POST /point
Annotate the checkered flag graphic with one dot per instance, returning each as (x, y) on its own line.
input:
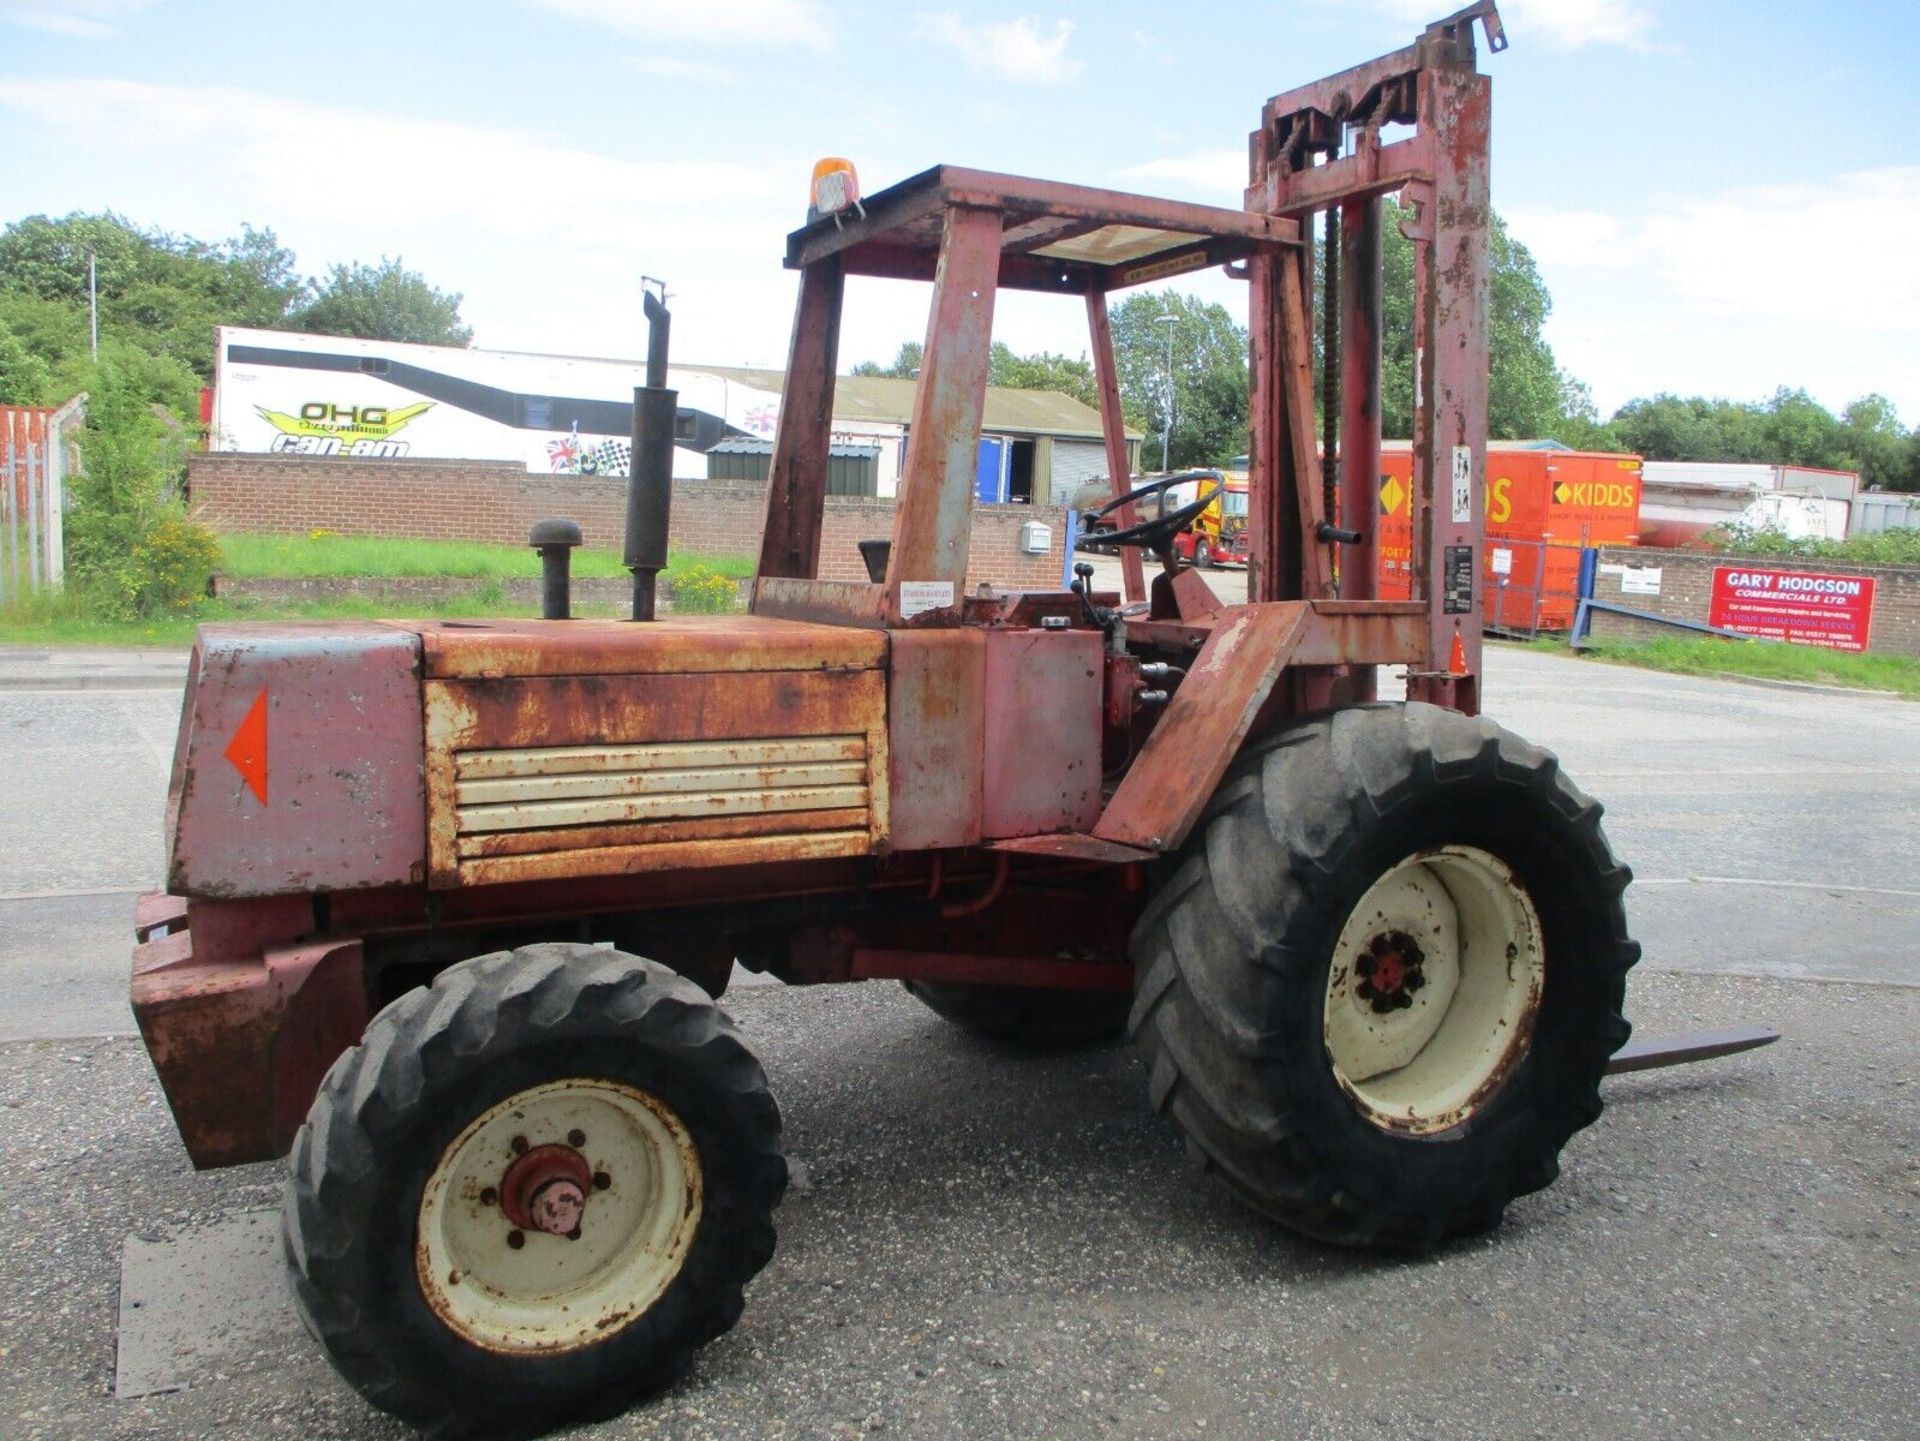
(609, 457)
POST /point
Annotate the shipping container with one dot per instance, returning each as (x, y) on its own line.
(1542, 507)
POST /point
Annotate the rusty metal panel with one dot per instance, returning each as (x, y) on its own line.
(831, 603)
(300, 763)
(1170, 783)
(1044, 693)
(648, 833)
(1070, 847)
(240, 1046)
(675, 645)
(1113, 428)
(933, 521)
(588, 759)
(936, 722)
(797, 477)
(1456, 107)
(1367, 633)
(757, 850)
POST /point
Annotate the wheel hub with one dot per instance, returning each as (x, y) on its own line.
(1390, 971)
(546, 1189)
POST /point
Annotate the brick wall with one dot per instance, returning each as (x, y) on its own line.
(1686, 593)
(498, 501)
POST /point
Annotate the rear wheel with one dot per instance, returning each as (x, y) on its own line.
(532, 1190)
(1040, 1017)
(1202, 553)
(1381, 984)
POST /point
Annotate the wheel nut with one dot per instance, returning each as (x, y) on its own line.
(519, 1144)
(576, 1139)
(601, 1180)
(516, 1239)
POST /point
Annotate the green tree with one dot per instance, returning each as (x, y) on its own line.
(904, 366)
(1209, 370)
(162, 292)
(383, 302)
(131, 550)
(1889, 457)
(1528, 395)
(1790, 428)
(24, 377)
(1044, 371)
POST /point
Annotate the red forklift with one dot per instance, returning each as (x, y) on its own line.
(449, 904)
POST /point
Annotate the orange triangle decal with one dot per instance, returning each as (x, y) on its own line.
(248, 748)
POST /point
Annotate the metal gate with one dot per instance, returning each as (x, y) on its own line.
(32, 474)
(1531, 586)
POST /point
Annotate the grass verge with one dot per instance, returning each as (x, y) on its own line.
(323, 553)
(1766, 660)
(50, 619)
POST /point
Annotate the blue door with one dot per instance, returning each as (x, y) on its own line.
(990, 473)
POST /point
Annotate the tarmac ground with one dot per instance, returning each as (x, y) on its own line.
(980, 1243)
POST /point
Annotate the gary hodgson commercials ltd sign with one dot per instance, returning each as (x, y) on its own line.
(1796, 605)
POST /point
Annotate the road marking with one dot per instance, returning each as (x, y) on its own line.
(159, 752)
(1773, 885)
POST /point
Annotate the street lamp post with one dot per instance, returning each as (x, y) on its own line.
(1166, 436)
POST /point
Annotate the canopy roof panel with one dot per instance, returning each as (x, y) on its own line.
(1066, 238)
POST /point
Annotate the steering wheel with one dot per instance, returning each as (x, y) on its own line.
(1156, 534)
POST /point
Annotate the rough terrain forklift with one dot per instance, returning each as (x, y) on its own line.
(449, 903)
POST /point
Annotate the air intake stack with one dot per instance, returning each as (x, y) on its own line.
(650, 483)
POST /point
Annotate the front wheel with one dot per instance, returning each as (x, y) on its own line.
(1380, 986)
(532, 1190)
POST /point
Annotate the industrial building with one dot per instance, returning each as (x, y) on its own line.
(285, 392)
(1683, 498)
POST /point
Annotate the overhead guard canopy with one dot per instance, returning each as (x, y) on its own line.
(1069, 239)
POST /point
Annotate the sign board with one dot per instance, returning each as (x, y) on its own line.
(1802, 606)
(1640, 580)
(1500, 560)
(920, 595)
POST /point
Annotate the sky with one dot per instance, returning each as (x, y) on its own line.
(1723, 198)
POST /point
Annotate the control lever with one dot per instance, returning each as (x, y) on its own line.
(1330, 533)
(1099, 615)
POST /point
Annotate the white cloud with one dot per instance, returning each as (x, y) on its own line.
(430, 172)
(665, 67)
(1562, 24)
(1202, 170)
(732, 22)
(1733, 293)
(1011, 49)
(86, 19)
(1835, 251)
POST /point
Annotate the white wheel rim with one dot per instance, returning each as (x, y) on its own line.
(552, 1292)
(1453, 942)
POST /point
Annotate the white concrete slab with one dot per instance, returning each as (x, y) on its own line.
(197, 1303)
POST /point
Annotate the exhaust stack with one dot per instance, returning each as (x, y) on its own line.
(650, 478)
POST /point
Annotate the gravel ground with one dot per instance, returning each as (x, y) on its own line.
(981, 1244)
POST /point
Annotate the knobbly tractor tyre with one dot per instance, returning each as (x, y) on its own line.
(1033, 1017)
(532, 1190)
(1381, 982)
